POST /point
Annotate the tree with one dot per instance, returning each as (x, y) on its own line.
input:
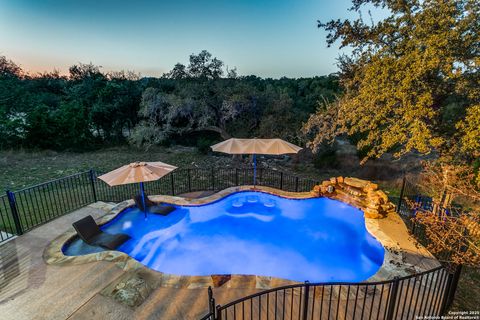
(451, 238)
(203, 66)
(404, 72)
(178, 72)
(8, 68)
(232, 73)
(115, 110)
(409, 82)
(82, 71)
(12, 129)
(10, 83)
(195, 106)
(278, 119)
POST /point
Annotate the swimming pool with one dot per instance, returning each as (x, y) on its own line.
(252, 233)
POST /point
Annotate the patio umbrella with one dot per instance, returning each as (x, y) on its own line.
(255, 146)
(137, 172)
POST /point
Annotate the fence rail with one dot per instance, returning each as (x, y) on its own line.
(425, 294)
(25, 209)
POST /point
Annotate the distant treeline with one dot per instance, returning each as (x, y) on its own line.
(193, 105)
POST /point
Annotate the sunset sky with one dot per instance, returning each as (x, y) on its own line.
(269, 38)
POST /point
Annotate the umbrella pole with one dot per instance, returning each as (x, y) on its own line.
(254, 170)
(142, 194)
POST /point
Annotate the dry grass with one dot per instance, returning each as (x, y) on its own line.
(19, 169)
(468, 292)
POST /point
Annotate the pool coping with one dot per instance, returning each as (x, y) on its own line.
(403, 254)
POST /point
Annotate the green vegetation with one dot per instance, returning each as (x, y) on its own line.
(90, 109)
(411, 82)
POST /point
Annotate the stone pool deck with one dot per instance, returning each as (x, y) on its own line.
(95, 288)
(32, 289)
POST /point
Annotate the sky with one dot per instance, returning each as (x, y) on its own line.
(268, 38)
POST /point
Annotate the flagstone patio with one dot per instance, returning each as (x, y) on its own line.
(32, 289)
(111, 285)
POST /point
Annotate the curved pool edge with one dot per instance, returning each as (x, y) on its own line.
(403, 255)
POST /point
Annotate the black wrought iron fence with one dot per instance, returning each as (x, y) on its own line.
(418, 296)
(191, 180)
(412, 199)
(413, 297)
(27, 208)
(7, 224)
(22, 210)
(429, 293)
(412, 202)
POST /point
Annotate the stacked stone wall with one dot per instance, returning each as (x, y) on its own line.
(360, 193)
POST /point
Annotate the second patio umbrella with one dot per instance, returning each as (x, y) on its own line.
(137, 172)
(255, 146)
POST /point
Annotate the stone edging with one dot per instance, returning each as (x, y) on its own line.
(394, 264)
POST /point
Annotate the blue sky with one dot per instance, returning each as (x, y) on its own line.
(269, 38)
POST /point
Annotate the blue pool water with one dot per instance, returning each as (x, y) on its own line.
(319, 239)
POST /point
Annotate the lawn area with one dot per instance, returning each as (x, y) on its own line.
(19, 169)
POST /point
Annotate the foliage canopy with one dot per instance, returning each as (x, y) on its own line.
(411, 82)
(90, 108)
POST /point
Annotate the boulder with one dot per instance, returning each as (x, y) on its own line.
(372, 214)
(355, 182)
(361, 193)
(383, 196)
(370, 187)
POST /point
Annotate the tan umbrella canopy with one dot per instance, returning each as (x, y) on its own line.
(137, 172)
(255, 146)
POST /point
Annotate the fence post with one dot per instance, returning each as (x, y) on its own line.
(14, 211)
(453, 286)
(172, 184)
(92, 183)
(296, 184)
(281, 180)
(189, 180)
(305, 300)
(236, 177)
(211, 302)
(393, 298)
(213, 179)
(401, 194)
(218, 315)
